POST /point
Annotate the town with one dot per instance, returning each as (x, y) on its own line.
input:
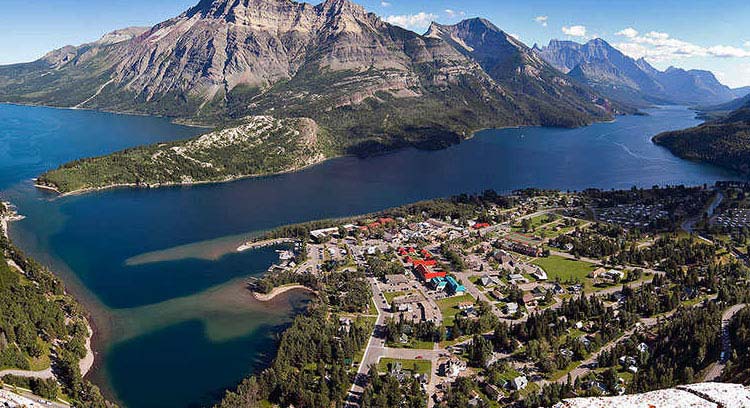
(526, 299)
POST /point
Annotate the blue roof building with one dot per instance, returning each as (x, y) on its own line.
(455, 287)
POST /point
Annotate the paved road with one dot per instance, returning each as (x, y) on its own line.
(28, 373)
(373, 349)
(714, 372)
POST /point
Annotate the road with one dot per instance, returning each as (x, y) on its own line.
(714, 372)
(372, 351)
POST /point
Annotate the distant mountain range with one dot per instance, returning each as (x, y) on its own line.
(375, 86)
(620, 77)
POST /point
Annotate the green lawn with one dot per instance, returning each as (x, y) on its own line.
(415, 366)
(564, 268)
(412, 344)
(449, 307)
(389, 296)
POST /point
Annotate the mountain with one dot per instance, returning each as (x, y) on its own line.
(741, 91)
(618, 76)
(375, 86)
(514, 65)
(724, 142)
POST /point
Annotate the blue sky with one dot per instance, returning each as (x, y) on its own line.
(703, 34)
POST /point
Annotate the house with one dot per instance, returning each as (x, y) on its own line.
(452, 368)
(558, 289)
(480, 225)
(485, 280)
(643, 347)
(511, 308)
(529, 299)
(597, 273)
(520, 382)
(454, 287)
(539, 273)
(465, 305)
(613, 275)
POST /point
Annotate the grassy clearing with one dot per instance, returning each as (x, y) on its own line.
(415, 366)
(389, 296)
(565, 269)
(413, 344)
(449, 307)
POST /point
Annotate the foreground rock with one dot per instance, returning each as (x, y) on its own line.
(702, 395)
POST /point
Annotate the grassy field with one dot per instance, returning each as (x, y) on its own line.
(449, 307)
(413, 344)
(389, 296)
(415, 366)
(564, 268)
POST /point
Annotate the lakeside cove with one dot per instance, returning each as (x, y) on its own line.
(169, 301)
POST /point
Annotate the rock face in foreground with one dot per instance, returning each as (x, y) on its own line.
(702, 395)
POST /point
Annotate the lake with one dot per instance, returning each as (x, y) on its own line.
(158, 268)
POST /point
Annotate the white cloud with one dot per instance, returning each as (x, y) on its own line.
(385, 4)
(575, 31)
(541, 20)
(747, 44)
(412, 21)
(660, 46)
(453, 13)
(629, 32)
(516, 36)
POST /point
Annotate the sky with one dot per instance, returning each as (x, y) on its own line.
(691, 34)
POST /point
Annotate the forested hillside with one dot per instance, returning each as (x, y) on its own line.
(725, 142)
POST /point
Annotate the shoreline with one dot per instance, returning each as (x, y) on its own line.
(248, 245)
(279, 290)
(464, 137)
(173, 120)
(88, 190)
(87, 362)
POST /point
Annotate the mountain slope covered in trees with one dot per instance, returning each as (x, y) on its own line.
(724, 142)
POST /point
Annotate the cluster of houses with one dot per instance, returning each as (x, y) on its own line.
(734, 219)
(632, 215)
(522, 244)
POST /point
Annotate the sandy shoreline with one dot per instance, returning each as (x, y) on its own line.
(264, 243)
(265, 297)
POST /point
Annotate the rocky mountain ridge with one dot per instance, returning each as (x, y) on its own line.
(374, 85)
(618, 76)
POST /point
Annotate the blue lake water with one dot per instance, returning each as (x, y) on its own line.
(149, 307)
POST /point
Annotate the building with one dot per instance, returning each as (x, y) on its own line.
(520, 382)
(426, 273)
(454, 287)
(539, 274)
(511, 308)
(438, 283)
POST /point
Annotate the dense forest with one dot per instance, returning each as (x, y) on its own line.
(738, 367)
(41, 325)
(725, 142)
(311, 368)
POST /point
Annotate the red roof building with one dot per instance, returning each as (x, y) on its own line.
(426, 273)
(480, 225)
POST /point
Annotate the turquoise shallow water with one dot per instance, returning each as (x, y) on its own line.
(156, 311)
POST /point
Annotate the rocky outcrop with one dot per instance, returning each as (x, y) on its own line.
(703, 395)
